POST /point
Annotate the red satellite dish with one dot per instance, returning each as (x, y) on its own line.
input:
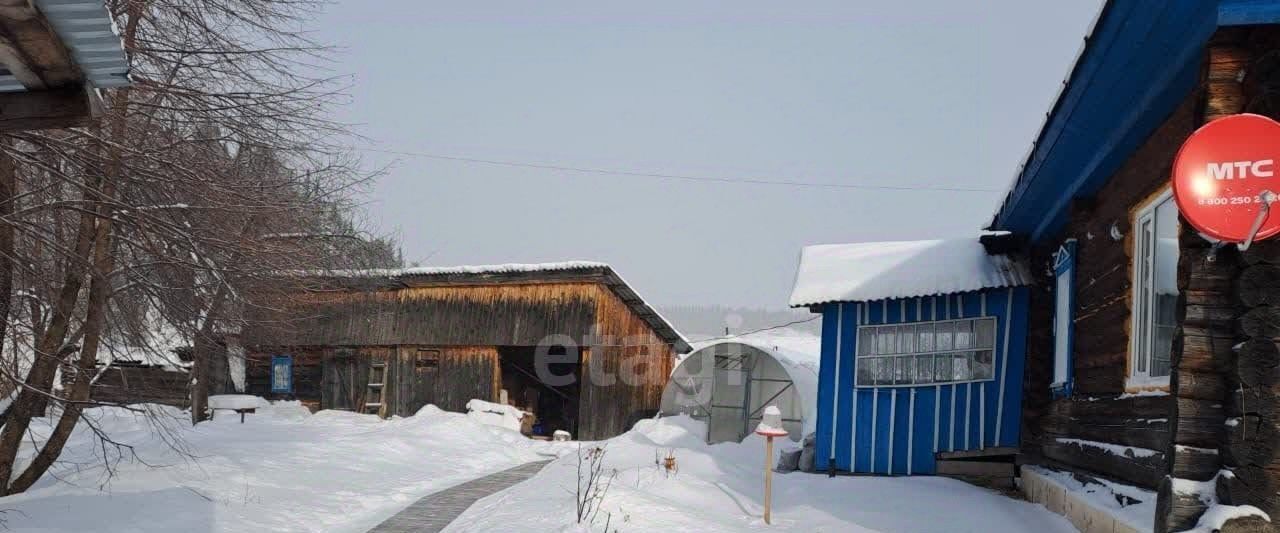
(1225, 177)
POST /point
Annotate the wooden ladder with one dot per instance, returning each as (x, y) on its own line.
(373, 394)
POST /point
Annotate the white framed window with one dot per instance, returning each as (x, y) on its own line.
(1155, 292)
(1064, 264)
(924, 353)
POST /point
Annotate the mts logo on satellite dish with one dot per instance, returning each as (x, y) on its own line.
(1238, 170)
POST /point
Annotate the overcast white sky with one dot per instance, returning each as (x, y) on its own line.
(923, 94)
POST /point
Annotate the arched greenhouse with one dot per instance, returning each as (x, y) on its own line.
(729, 383)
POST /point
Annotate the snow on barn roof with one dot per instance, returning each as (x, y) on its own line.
(878, 270)
(518, 271)
(506, 268)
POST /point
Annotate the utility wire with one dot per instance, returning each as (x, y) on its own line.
(677, 177)
(761, 330)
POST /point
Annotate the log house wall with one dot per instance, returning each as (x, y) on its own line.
(1225, 377)
(1100, 410)
(1244, 76)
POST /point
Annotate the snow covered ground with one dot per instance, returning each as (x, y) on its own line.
(285, 469)
(717, 488)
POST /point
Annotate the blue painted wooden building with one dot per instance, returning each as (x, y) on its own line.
(923, 348)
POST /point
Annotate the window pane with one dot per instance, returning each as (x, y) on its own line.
(1145, 236)
(924, 332)
(866, 371)
(866, 341)
(884, 372)
(924, 369)
(986, 333)
(960, 367)
(964, 334)
(906, 339)
(943, 364)
(884, 340)
(942, 336)
(982, 365)
(1165, 281)
(906, 370)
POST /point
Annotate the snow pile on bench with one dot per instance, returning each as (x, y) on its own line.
(495, 414)
(236, 401)
(869, 271)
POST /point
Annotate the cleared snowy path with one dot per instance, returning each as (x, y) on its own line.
(437, 510)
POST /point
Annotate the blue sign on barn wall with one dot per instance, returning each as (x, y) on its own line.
(282, 374)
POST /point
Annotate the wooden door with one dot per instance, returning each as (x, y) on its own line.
(426, 371)
(471, 375)
(338, 375)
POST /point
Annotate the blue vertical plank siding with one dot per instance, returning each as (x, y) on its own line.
(826, 387)
(844, 422)
(898, 430)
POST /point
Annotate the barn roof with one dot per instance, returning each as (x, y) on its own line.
(870, 271)
(567, 271)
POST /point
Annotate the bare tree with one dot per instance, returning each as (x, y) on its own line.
(218, 170)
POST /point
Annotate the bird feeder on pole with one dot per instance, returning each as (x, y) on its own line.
(770, 427)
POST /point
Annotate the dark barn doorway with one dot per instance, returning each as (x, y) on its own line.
(555, 406)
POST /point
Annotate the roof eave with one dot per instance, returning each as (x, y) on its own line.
(1048, 180)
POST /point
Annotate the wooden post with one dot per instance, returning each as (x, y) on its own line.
(770, 427)
(768, 477)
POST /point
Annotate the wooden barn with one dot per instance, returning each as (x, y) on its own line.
(391, 342)
(922, 354)
(1153, 361)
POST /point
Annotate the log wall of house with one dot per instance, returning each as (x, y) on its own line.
(626, 368)
(1057, 431)
(1224, 392)
(1244, 76)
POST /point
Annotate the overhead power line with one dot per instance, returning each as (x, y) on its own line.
(761, 330)
(679, 177)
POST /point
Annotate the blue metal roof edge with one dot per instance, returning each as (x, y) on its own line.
(1108, 107)
(1248, 12)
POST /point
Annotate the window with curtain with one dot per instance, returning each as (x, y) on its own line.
(925, 353)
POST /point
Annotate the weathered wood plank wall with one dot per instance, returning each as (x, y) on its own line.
(461, 327)
(308, 374)
(624, 370)
(490, 315)
(129, 384)
(446, 376)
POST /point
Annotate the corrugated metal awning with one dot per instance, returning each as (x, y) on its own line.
(90, 35)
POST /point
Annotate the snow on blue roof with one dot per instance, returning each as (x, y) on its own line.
(901, 269)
